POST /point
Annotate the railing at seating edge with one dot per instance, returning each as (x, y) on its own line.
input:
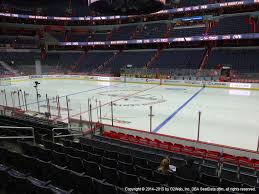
(19, 137)
(68, 135)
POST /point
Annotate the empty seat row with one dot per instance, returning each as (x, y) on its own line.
(77, 159)
(242, 162)
(97, 171)
(47, 174)
(240, 60)
(168, 146)
(246, 181)
(74, 157)
(225, 25)
(179, 159)
(209, 167)
(94, 153)
(13, 181)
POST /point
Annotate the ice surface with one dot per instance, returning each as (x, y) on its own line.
(228, 117)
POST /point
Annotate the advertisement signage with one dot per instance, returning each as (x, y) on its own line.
(103, 78)
(114, 17)
(240, 85)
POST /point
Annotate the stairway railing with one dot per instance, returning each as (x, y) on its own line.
(80, 132)
(21, 136)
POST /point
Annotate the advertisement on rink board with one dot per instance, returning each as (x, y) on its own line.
(180, 82)
(99, 78)
(73, 76)
(103, 78)
(36, 76)
(5, 79)
(153, 80)
(55, 76)
(217, 84)
(193, 82)
(116, 79)
(19, 78)
(240, 85)
(172, 81)
(142, 80)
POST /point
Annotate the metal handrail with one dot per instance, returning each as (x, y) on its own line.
(19, 137)
(70, 135)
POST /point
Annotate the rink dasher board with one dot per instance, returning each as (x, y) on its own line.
(187, 83)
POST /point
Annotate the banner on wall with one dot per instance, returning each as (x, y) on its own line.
(166, 40)
(213, 6)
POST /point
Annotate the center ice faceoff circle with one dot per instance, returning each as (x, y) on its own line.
(125, 98)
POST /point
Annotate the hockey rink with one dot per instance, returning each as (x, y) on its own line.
(228, 116)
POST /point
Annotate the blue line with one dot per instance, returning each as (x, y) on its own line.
(175, 112)
(76, 93)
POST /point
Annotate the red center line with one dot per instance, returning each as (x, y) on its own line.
(112, 101)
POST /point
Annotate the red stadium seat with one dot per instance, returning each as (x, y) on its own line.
(133, 139)
(213, 155)
(256, 164)
(123, 136)
(143, 141)
(165, 145)
(157, 140)
(200, 153)
(114, 135)
(197, 154)
(244, 161)
(107, 134)
(154, 143)
(188, 149)
(230, 159)
(176, 148)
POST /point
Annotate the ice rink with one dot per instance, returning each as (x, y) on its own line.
(228, 117)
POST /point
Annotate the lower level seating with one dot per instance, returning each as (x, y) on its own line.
(183, 59)
(241, 59)
(109, 163)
